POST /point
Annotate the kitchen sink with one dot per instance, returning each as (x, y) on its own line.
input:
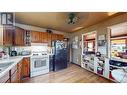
(4, 66)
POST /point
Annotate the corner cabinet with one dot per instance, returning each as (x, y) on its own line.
(6, 35)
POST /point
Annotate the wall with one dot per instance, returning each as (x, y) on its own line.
(101, 28)
(34, 28)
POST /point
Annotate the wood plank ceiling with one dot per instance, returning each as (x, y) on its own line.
(58, 20)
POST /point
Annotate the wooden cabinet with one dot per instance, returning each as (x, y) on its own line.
(13, 74)
(57, 37)
(25, 67)
(19, 36)
(60, 37)
(6, 35)
(54, 37)
(5, 78)
(45, 37)
(14, 78)
(35, 37)
(19, 72)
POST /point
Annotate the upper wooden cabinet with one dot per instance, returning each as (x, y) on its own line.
(19, 36)
(22, 37)
(60, 37)
(35, 37)
(57, 37)
(44, 37)
(6, 35)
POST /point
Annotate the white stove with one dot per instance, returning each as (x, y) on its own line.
(39, 63)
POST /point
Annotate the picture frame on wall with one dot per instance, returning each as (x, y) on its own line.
(75, 43)
(101, 40)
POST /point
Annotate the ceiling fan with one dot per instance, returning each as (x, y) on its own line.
(72, 18)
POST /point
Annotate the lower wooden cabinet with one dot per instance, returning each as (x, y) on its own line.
(19, 72)
(5, 78)
(14, 78)
(25, 67)
(13, 74)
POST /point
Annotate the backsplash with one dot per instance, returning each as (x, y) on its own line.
(5, 49)
(19, 49)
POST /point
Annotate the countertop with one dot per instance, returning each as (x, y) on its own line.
(15, 61)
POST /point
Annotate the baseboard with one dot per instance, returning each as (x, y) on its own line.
(75, 64)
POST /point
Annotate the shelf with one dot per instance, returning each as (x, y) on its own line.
(118, 66)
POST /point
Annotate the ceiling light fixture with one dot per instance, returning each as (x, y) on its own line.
(72, 18)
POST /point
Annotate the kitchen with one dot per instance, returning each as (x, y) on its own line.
(27, 51)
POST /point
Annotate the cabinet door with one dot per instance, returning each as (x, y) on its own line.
(14, 78)
(54, 37)
(49, 37)
(25, 67)
(35, 37)
(8, 35)
(5, 78)
(1, 35)
(45, 37)
(19, 37)
(19, 72)
(60, 37)
(13, 73)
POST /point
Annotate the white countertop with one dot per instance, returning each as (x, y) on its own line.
(15, 59)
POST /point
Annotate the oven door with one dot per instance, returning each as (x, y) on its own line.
(39, 64)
